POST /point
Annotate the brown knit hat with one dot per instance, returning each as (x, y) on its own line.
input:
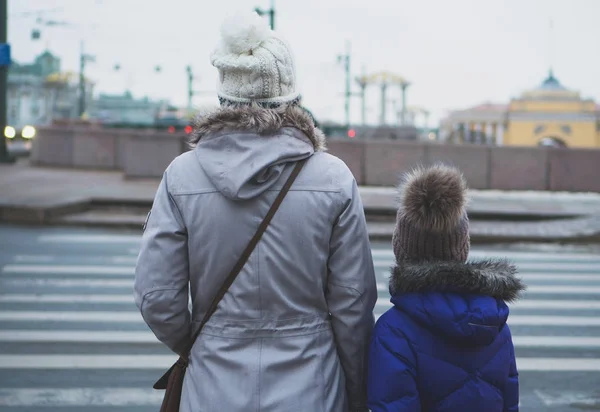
(432, 223)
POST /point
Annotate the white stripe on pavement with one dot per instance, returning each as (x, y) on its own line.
(148, 337)
(63, 298)
(556, 304)
(563, 276)
(565, 398)
(116, 259)
(83, 397)
(536, 304)
(564, 289)
(161, 362)
(559, 364)
(76, 336)
(553, 320)
(132, 316)
(510, 254)
(76, 238)
(86, 361)
(65, 283)
(529, 266)
(593, 277)
(70, 269)
(550, 289)
(85, 316)
(557, 341)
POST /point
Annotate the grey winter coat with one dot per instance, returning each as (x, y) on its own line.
(292, 333)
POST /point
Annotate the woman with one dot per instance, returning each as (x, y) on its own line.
(292, 332)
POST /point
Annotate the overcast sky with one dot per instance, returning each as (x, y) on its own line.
(457, 53)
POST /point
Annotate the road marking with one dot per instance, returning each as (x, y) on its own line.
(162, 362)
(76, 336)
(482, 254)
(54, 397)
(557, 341)
(116, 259)
(76, 238)
(148, 337)
(70, 269)
(34, 258)
(556, 304)
(536, 267)
(550, 289)
(64, 283)
(85, 316)
(558, 364)
(535, 304)
(564, 289)
(134, 317)
(594, 277)
(569, 398)
(66, 298)
(554, 320)
(28, 361)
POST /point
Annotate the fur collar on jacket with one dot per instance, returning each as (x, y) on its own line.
(490, 277)
(258, 119)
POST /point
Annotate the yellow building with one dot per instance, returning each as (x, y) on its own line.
(550, 114)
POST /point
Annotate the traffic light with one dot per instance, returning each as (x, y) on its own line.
(188, 129)
(171, 129)
(351, 133)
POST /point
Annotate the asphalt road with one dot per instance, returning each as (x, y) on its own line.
(71, 338)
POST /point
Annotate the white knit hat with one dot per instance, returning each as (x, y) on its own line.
(254, 65)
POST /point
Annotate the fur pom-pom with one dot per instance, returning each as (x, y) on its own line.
(243, 32)
(434, 198)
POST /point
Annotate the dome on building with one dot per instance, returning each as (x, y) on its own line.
(550, 89)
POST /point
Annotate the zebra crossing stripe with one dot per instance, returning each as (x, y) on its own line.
(149, 338)
(161, 362)
(73, 397)
(131, 316)
(70, 269)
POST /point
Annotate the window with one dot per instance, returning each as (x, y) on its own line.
(566, 129)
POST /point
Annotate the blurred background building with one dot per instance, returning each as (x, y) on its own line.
(549, 114)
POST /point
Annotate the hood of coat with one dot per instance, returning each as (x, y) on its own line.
(244, 149)
(465, 302)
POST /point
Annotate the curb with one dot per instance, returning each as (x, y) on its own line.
(131, 214)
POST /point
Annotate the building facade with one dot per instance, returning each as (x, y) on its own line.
(39, 93)
(124, 109)
(549, 114)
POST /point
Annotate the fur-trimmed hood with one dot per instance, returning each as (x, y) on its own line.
(491, 277)
(244, 150)
(264, 122)
(464, 301)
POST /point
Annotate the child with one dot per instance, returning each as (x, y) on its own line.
(445, 345)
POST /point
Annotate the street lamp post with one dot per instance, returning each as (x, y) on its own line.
(4, 156)
(83, 58)
(270, 12)
(345, 60)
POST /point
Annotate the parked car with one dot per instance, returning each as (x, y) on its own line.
(19, 139)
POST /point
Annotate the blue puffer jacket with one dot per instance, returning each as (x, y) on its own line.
(445, 345)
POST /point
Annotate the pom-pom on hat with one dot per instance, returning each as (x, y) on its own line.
(254, 64)
(432, 223)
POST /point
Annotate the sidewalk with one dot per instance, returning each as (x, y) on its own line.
(83, 197)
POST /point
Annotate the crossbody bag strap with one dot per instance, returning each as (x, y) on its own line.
(247, 252)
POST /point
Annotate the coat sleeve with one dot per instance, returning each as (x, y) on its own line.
(392, 371)
(511, 389)
(162, 273)
(352, 293)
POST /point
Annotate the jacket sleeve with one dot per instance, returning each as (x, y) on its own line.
(511, 389)
(162, 273)
(352, 293)
(392, 371)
